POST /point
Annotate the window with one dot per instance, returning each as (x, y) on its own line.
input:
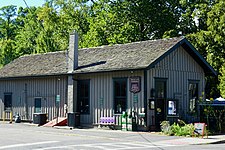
(160, 87)
(83, 91)
(37, 105)
(120, 94)
(7, 101)
(152, 104)
(193, 95)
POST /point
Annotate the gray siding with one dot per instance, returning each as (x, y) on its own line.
(178, 67)
(45, 88)
(101, 95)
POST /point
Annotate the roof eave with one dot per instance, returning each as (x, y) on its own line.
(34, 76)
(110, 70)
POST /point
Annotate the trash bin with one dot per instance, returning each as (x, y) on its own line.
(73, 119)
(39, 118)
(17, 118)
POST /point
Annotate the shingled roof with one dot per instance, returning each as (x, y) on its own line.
(52, 63)
(137, 55)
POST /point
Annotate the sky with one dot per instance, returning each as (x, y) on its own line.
(19, 3)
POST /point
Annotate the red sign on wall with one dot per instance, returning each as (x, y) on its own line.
(135, 84)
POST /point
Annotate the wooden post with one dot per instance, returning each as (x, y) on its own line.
(3, 116)
(206, 132)
(11, 116)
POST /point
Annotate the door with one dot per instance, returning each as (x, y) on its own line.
(159, 112)
(160, 100)
(37, 105)
(83, 96)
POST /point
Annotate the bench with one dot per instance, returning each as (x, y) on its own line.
(107, 121)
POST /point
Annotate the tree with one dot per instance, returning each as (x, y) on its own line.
(209, 41)
(107, 27)
(73, 15)
(222, 81)
(8, 31)
(129, 21)
(26, 38)
(7, 28)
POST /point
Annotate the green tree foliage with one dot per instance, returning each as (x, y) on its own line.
(127, 21)
(26, 39)
(8, 31)
(209, 40)
(154, 18)
(106, 25)
(222, 81)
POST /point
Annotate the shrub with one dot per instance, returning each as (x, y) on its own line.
(187, 129)
(166, 128)
(178, 129)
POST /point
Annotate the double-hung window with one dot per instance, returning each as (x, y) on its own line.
(7, 101)
(120, 94)
(193, 95)
(83, 96)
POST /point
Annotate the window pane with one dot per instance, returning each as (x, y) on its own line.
(120, 95)
(193, 96)
(84, 105)
(117, 88)
(8, 101)
(37, 105)
(123, 88)
(160, 89)
(83, 96)
(86, 89)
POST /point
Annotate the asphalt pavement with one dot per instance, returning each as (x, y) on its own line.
(212, 139)
(30, 136)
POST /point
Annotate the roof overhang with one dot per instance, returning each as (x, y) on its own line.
(35, 76)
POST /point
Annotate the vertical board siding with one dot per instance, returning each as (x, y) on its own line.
(101, 87)
(178, 68)
(43, 87)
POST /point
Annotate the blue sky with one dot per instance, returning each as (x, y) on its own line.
(21, 3)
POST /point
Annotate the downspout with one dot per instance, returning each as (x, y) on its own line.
(26, 103)
(145, 95)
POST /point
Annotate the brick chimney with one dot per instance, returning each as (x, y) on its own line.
(73, 52)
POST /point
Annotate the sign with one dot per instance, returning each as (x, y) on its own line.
(58, 98)
(135, 84)
(135, 98)
(172, 107)
(199, 128)
(101, 101)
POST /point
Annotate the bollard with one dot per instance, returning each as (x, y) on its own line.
(3, 116)
(11, 117)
